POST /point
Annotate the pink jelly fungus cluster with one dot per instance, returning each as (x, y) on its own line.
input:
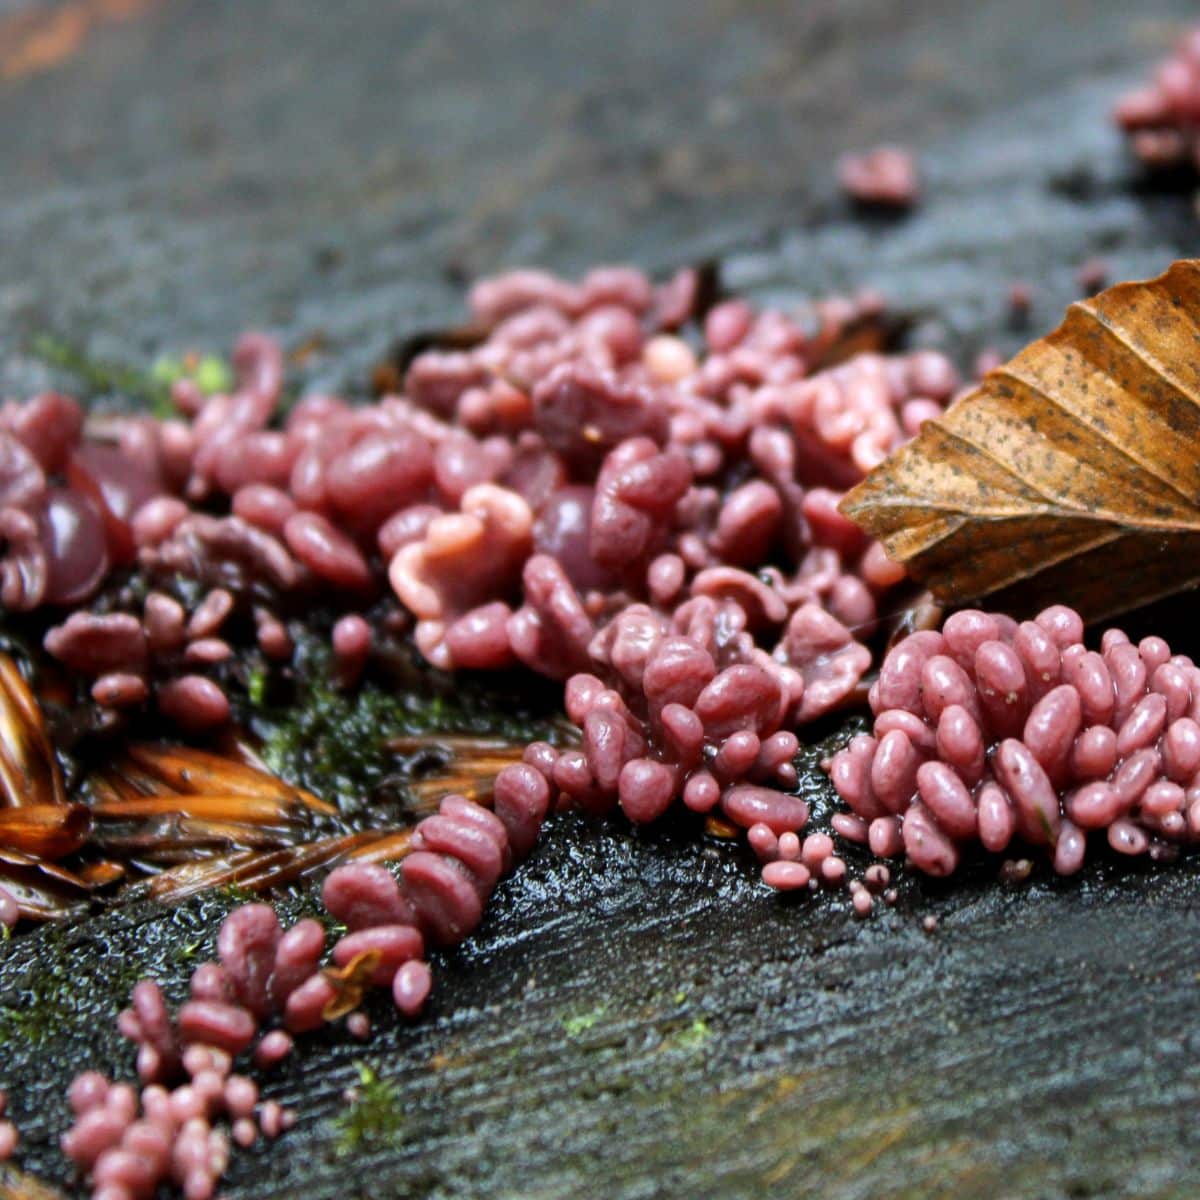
(607, 489)
(9, 1138)
(885, 177)
(270, 984)
(10, 911)
(993, 732)
(131, 1143)
(1162, 119)
(792, 865)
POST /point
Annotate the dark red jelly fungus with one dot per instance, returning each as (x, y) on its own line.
(73, 537)
(994, 732)
(1162, 118)
(118, 484)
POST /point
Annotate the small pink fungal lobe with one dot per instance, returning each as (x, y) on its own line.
(272, 984)
(1000, 733)
(195, 703)
(885, 176)
(9, 1140)
(10, 911)
(607, 464)
(352, 638)
(786, 876)
(1160, 119)
(411, 987)
(272, 1050)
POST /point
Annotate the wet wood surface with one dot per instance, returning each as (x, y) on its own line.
(636, 1017)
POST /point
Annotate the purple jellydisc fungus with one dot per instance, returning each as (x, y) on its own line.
(607, 490)
(520, 500)
(992, 732)
(1160, 118)
(130, 1142)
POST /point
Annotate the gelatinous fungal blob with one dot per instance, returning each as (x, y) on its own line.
(885, 177)
(1162, 118)
(605, 449)
(992, 733)
(612, 489)
(270, 984)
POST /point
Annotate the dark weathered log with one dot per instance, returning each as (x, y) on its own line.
(636, 1017)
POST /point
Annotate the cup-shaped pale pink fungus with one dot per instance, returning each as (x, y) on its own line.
(464, 560)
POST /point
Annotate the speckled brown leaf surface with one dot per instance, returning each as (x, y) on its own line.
(1071, 474)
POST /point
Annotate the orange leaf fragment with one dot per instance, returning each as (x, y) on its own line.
(1071, 474)
(350, 982)
(46, 830)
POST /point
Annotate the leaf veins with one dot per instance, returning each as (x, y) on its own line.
(1071, 474)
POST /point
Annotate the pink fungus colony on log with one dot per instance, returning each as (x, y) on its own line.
(1162, 119)
(9, 1138)
(271, 984)
(608, 489)
(992, 731)
(650, 519)
(620, 495)
(885, 177)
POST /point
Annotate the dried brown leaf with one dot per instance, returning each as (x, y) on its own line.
(350, 983)
(29, 772)
(251, 810)
(254, 870)
(1071, 474)
(46, 830)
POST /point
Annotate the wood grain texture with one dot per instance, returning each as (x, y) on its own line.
(635, 1018)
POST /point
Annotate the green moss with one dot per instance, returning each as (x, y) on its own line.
(676, 1035)
(42, 1008)
(333, 742)
(580, 1023)
(99, 377)
(149, 389)
(34, 1013)
(256, 687)
(210, 373)
(188, 950)
(236, 894)
(375, 1116)
(690, 1037)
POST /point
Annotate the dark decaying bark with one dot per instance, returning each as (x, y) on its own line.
(636, 1017)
